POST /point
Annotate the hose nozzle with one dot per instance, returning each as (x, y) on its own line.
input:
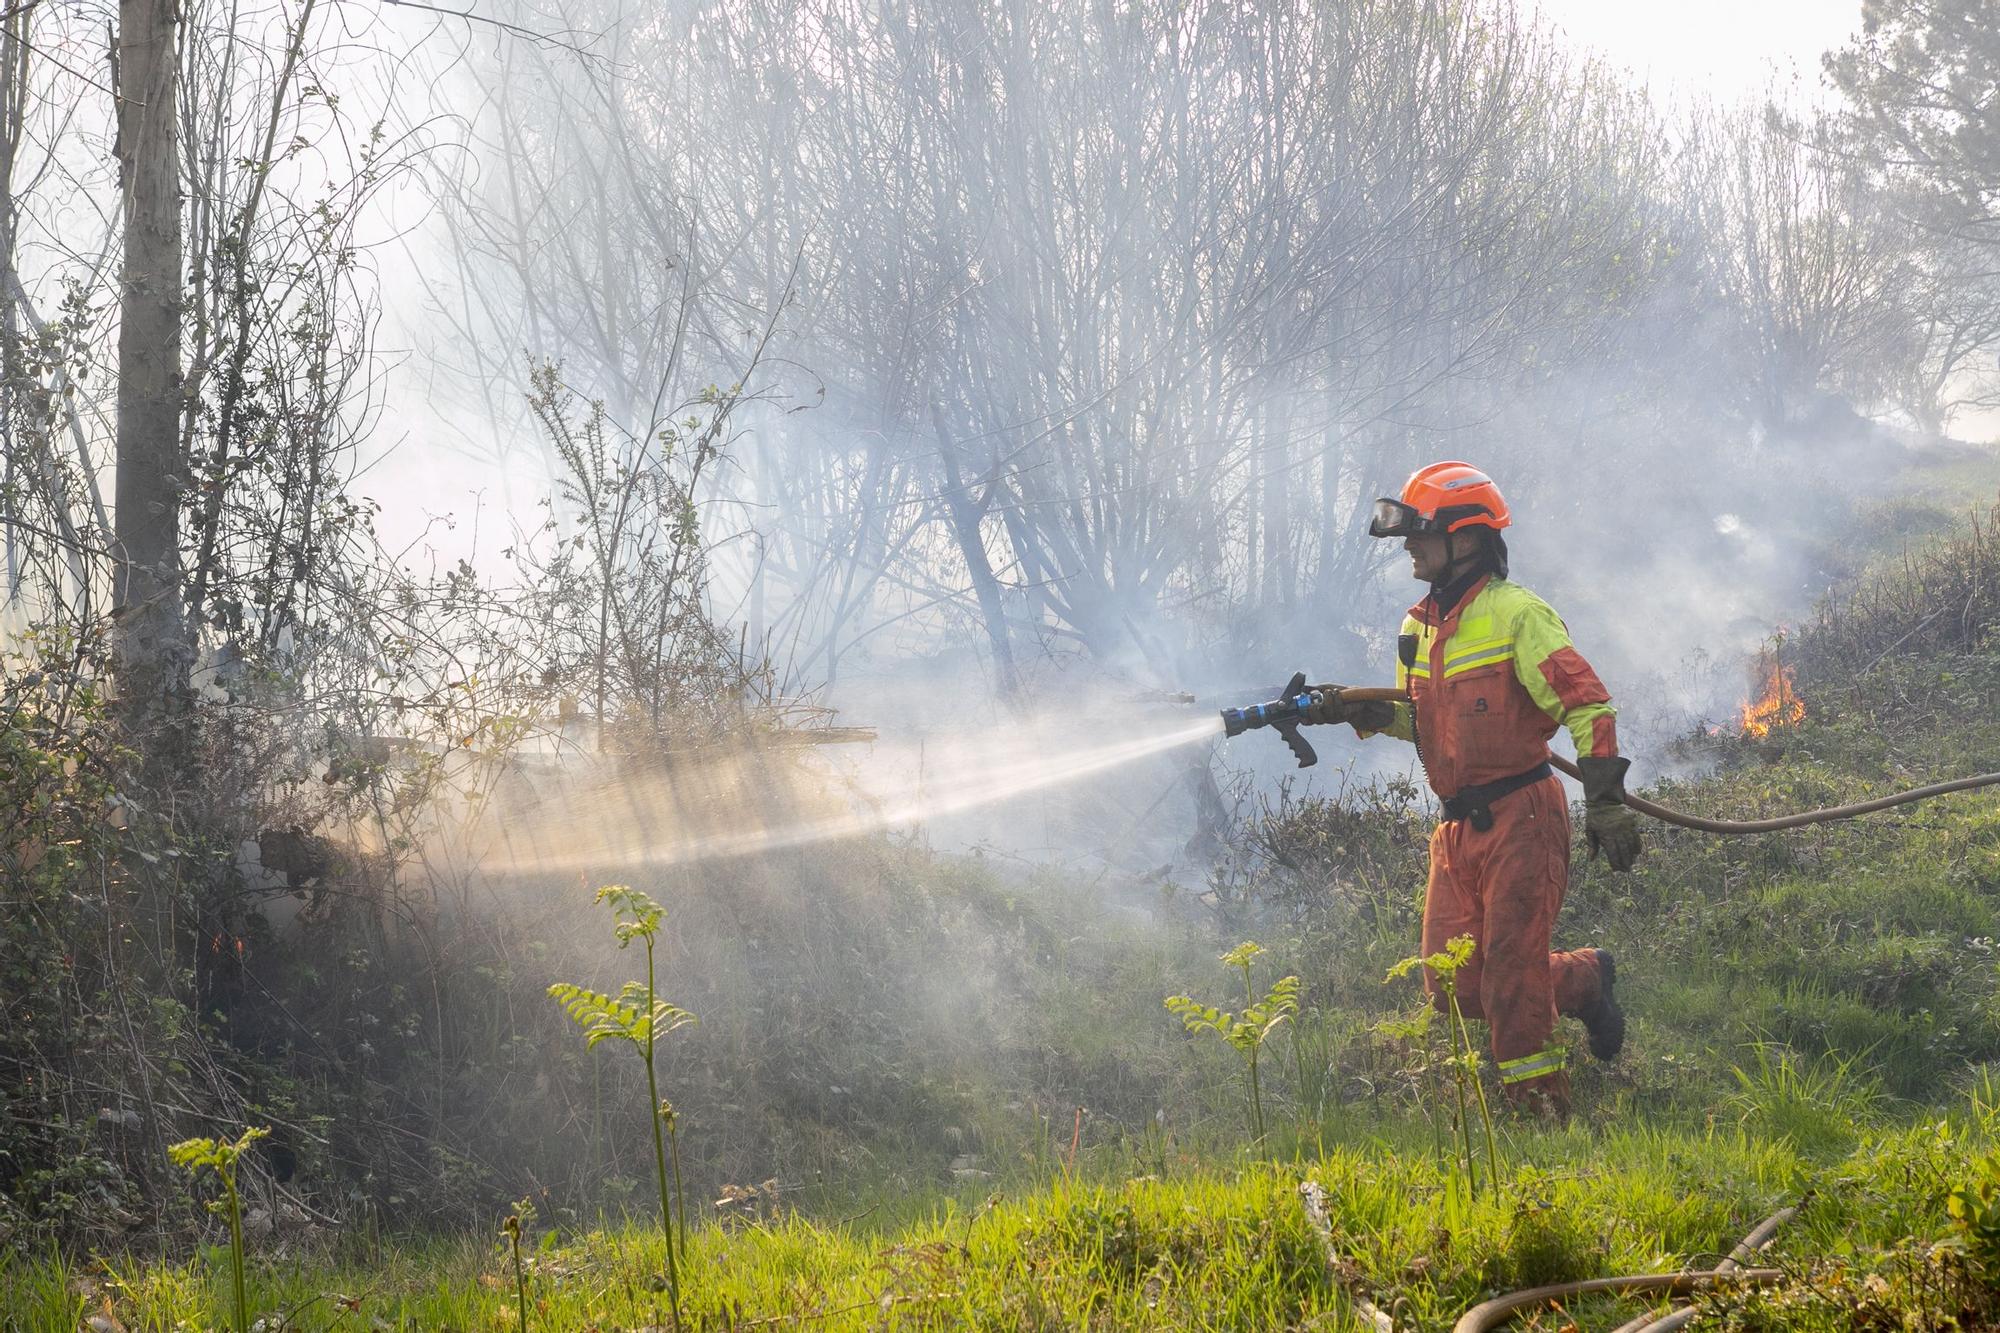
(1282, 713)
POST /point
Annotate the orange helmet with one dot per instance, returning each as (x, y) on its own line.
(1444, 497)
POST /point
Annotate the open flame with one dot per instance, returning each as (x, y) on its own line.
(1778, 703)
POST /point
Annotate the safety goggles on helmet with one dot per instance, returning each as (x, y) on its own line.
(1393, 518)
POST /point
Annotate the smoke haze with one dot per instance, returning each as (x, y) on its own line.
(1093, 330)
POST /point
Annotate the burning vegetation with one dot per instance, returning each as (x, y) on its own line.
(1777, 702)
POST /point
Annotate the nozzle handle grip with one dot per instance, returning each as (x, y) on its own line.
(1302, 749)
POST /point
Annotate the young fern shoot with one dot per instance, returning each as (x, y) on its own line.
(221, 1156)
(510, 1231)
(1445, 965)
(1249, 1031)
(637, 1015)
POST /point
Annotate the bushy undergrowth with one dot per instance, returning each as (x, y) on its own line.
(74, 1157)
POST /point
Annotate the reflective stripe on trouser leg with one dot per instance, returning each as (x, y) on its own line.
(1521, 868)
(1550, 1061)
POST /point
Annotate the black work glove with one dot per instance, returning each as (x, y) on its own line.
(1609, 825)
(1327, 706)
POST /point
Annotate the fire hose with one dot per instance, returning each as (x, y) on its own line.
(1759, 1240)
(1489, 1315)
(1285, 714)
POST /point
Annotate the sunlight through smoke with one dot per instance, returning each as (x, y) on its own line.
(749, 805)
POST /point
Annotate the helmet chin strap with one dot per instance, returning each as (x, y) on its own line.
(1451, 570)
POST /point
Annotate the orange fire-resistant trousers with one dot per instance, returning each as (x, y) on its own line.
(1503, 887)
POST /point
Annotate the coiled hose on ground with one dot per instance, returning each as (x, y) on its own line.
(1374, 694)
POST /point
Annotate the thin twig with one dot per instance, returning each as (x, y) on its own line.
(538, 38)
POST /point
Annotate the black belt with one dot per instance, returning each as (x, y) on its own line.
(1474, 803)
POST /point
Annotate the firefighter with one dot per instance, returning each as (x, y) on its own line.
(1491, 674)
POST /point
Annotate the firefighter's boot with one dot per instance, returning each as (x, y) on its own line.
(1605, 1021)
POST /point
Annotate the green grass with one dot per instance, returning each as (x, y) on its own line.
(1209, 1246)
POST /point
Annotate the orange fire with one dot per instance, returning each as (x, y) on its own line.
(1778, 703)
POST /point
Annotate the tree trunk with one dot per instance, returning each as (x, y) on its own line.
(966, 515)
(153, 650)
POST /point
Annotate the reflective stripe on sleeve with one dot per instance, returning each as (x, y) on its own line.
(1540, 1063)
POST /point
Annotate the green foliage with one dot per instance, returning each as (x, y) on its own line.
(635, 1014)
(1446, 962)
(1247, 1032)
(1916, 77)
(632, 1015)
(639, 917)
(638, 1016)
(1909, 643)
(1547, 1239)
(1349, 864)
(874, 1013)
(1974, 1205)
(218, 1155)
(622, 585)
(1464, 1064)
(1818, 1106)
(60, 814)
(1213, 1247)
(511, 1227)
(221, 1156)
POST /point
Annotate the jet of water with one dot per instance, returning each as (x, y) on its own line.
(742, 806)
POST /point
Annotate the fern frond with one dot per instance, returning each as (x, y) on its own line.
(602, 1017)
(669, 1018)
(192, 1154)
(1199, 1017)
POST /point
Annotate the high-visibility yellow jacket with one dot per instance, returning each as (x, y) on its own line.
(1490, 682)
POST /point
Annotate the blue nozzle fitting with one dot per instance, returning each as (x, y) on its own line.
(1282, 713)
(1236, 721)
